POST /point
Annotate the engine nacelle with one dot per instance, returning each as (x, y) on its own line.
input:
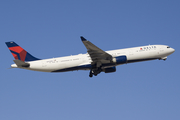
(120, 59)
(109, 70)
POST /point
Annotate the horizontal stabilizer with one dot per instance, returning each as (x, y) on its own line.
(20, 63)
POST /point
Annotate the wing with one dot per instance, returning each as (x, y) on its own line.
(97, 55)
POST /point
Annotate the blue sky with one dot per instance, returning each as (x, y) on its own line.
(138, 91)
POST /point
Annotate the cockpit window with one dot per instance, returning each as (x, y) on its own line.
(168, 47)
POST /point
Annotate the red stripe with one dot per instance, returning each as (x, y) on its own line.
(23, 55)
(15, 56)
(17, 49)
(21, 51)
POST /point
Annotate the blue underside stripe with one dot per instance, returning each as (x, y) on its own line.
(83, 67)
(139, 60)
(89, 66)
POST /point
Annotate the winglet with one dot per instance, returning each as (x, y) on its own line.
(83, 39)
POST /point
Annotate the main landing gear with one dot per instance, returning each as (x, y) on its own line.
(90, 74)
(95, 72)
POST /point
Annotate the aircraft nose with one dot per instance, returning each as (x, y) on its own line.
(173, 50)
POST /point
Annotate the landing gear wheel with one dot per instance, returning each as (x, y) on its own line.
(90, 74)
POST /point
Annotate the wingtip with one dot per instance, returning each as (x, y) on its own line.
(83, 39)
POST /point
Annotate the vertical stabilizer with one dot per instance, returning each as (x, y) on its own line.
(19, 53)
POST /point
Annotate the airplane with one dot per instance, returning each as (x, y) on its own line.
(95, 60)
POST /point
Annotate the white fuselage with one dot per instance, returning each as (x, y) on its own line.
(83, 61)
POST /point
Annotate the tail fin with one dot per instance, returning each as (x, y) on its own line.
(19, 53)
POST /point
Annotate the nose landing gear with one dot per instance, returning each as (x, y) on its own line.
(163, 58)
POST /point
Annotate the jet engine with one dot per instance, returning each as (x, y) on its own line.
(109, 70)
(120, 59)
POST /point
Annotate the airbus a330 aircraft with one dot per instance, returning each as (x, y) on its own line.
(95, 60)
